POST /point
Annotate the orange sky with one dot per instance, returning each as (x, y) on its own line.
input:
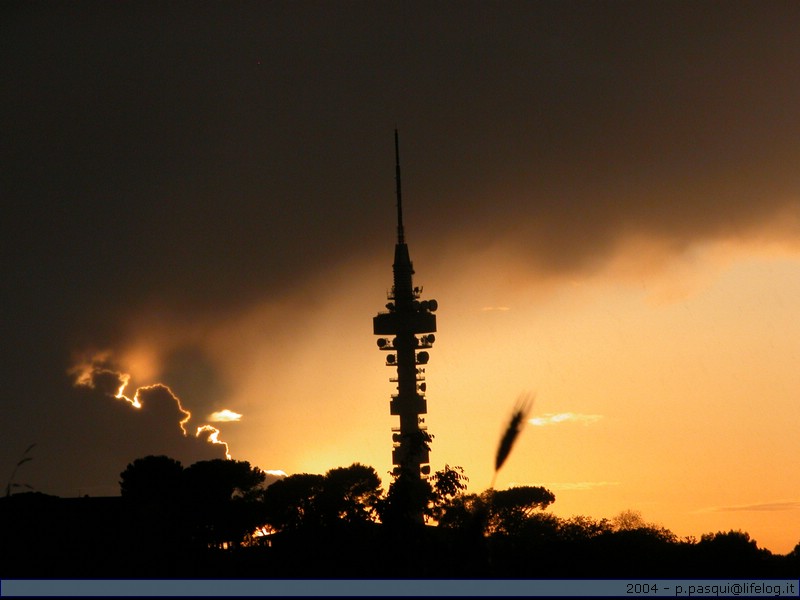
(674, 377)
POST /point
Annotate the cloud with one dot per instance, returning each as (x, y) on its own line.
(275, 472)
(210, 435)
(224, 416)
(555, 418)
(762, 507)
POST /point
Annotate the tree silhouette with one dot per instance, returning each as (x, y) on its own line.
(152, 489)
(292, 502)
(726, 553)
(211, 502)
(628, 520)
(581, 528)
(219, 480)
(510, 509)
(792, 560)
(408, 498)
(461, 512)
(191, 522)
(524, 499)
(222, 503)
(349, 494)
(152, 478)
(495, 511)
(795, 553)
(449, 482)
(446, 484)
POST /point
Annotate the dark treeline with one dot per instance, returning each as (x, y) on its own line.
(218, 519)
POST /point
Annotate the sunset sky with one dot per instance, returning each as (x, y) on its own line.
(603, 197)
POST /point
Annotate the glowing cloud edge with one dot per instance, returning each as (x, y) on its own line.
(555, 418)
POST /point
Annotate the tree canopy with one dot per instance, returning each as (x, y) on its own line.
(176, 521)
(346, 494)
(220, 480)
(212, 502)
(152, 478)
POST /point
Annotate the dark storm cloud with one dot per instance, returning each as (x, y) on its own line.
(158, 421)
(192, 374)
(87, 433)
(166, 154)
(188, 160)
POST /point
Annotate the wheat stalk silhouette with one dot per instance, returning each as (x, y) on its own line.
(10, 485)
(518, 418)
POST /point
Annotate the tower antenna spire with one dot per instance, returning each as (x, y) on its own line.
(400, 233)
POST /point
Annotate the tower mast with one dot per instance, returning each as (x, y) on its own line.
(400, 233)
(407, 318)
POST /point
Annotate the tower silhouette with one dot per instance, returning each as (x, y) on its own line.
(407, 317)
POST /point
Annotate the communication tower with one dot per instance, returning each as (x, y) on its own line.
(410, 325)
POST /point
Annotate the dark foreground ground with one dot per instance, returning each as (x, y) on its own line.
(100, 538)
